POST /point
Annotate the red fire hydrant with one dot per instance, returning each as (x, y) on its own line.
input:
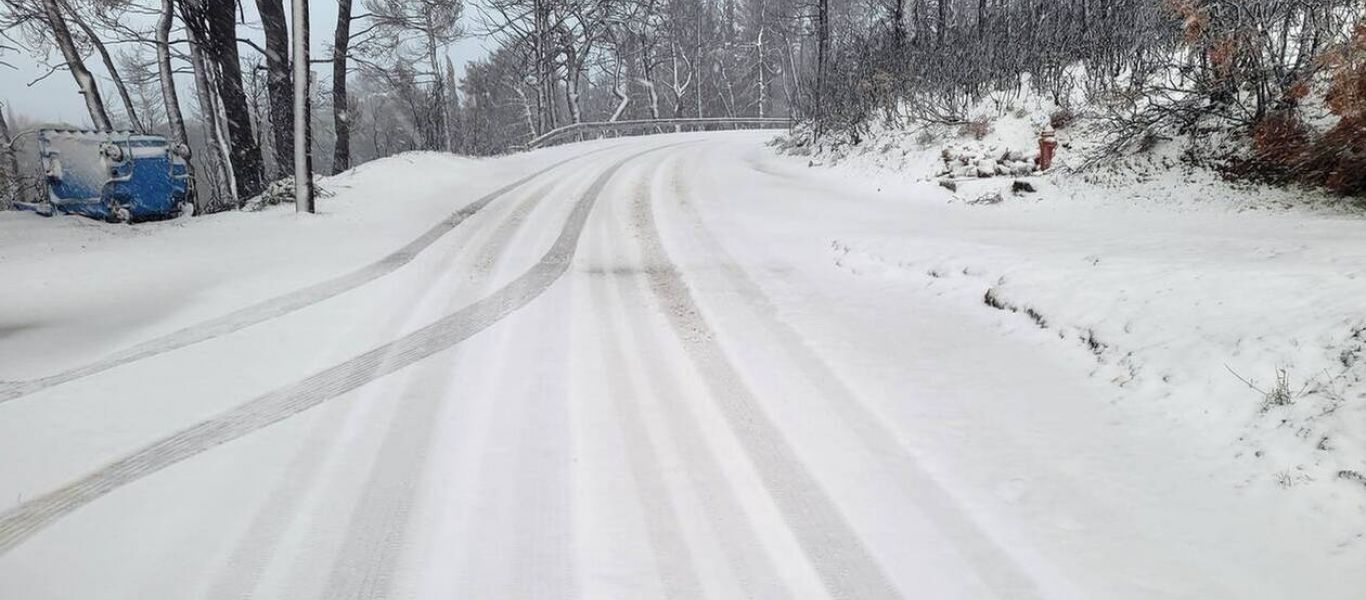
(1048, 145)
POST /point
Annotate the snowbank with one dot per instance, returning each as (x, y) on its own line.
(1231, 306)
(171, 274)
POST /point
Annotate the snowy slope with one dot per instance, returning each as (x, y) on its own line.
(1235, 306)
(156, 277)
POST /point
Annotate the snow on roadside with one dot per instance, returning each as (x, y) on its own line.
(1233, 307)
(62, 307)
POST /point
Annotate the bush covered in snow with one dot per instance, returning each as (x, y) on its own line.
(1283, 83)
(281, 191)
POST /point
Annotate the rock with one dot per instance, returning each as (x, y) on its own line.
(1022, 187)
(986, 167)
(992, 198)
(948, 185)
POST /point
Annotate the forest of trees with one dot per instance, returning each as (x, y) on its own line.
(386, 83)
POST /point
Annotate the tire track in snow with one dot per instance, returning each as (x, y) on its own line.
(378, 528)
(256, 548)
(25, 520)
(672, 559)
(996, 567)
(541, 504)
(844, 565)
(274, 307)
(735, 531)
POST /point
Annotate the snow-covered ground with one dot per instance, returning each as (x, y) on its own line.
(1234, 306)
(685, 366)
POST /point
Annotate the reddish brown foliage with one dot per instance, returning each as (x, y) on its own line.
(1280, 140)
(1284, 148)
(1341, 153)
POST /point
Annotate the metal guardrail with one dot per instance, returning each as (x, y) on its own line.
(646, 124)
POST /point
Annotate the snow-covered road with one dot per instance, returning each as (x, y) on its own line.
(626, 369)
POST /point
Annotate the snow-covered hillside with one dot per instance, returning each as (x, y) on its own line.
(1233, 306)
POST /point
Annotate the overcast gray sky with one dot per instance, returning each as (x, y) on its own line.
(56, 99)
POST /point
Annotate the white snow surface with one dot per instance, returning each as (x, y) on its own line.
(745, 378)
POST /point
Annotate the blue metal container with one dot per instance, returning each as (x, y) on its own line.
(112, 175)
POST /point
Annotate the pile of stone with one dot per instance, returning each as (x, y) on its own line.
(986, 162)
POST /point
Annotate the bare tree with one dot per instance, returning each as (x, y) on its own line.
(341, 106)
(209, 111)
(170, 96)
(279, 84)
(9, 166)
(94, 103)
(430, 25)
(111, 69)
(215, 27)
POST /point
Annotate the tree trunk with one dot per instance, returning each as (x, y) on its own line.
(982, 18)
(618, 87)
(526, 108)
(278, 81)
(303, 161)
(220, 44)
(538, 40)
(208, 109)
(341, 107)
(697, 60)
(545, 66)
(170, 97)
(124, 96)
(763, 84)
(899, 23)
(9, 166)
(453, 114)
(647, 77)
(84, 80)
(441, 114)
(822, 56)
(571, 84)
(943, 24)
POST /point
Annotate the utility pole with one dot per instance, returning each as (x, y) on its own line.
(303, 167)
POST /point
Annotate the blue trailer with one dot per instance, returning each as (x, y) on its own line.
(116, 176)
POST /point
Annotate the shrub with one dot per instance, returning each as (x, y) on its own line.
(1342, 151)
(1062, 118)
(977, 128)
(1338, 160)
(1279, 394)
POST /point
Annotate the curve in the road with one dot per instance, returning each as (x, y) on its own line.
(279, 305)
(25, 520)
